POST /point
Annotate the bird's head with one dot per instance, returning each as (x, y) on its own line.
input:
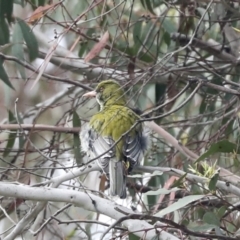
(107, 93)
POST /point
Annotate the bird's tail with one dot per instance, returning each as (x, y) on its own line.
(117, 178)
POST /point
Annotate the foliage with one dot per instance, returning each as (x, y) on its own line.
(179, 64)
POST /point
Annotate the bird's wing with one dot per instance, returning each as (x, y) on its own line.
(134, 147)
(114, 169)
(102, 147)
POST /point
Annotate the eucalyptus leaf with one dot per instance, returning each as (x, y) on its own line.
(41, 2)
(200, 227)
(167, 38)
(221, 211)
(132, 236)
(148, 5)
(6, 8)
(179, 204)
(4, 32)
(30, 40)
(4, 76)
(137, 30)
(169, 26)
(82, 49)
(213, 182)
(17, 48)
(157, 3)
(223, 146)
(211, 218)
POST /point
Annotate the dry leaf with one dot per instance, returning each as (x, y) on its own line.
(39, 12)
(102, 183)
(98, 47)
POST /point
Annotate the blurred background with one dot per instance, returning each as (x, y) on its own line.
(179, 63)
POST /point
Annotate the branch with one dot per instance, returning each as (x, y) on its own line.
(224, 173)
(66, 59)
(191, 177)
(87, 201)
(211, 46)
(39, 127)
(50, 77)
(181, 227)
(56, 181)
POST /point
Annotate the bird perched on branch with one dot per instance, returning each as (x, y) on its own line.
(115, 135)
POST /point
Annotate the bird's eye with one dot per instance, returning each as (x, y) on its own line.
(101, 89)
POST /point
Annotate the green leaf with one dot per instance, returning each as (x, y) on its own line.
(167, 38)
(157, 3)
(223, 146)
(11, 136)
(11, 117)
(145, 57)
(30, 40)
(143, 3)
(213, 182)
(76, 139)
(6, 8)
(11, 140)
(17, 48)
(4, 76)
(41, 2)
(137, 33)
(4, 32)
(148, 5)
(82, 49)
(154, 182)
(179, 204)
(200, 227)
(126, 49)
(21, 137)
(160, 91)
(221, 211)
(179, 182)
(169, 26)
(203, 106)
(211, 218)
(9, 9)
(133, 237)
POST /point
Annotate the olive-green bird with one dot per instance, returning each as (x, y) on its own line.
(113, 134)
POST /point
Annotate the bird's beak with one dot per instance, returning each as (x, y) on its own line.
(90, 94)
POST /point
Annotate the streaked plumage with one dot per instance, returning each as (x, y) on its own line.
(111, 132)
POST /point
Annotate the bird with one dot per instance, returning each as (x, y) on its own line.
(115, 134)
